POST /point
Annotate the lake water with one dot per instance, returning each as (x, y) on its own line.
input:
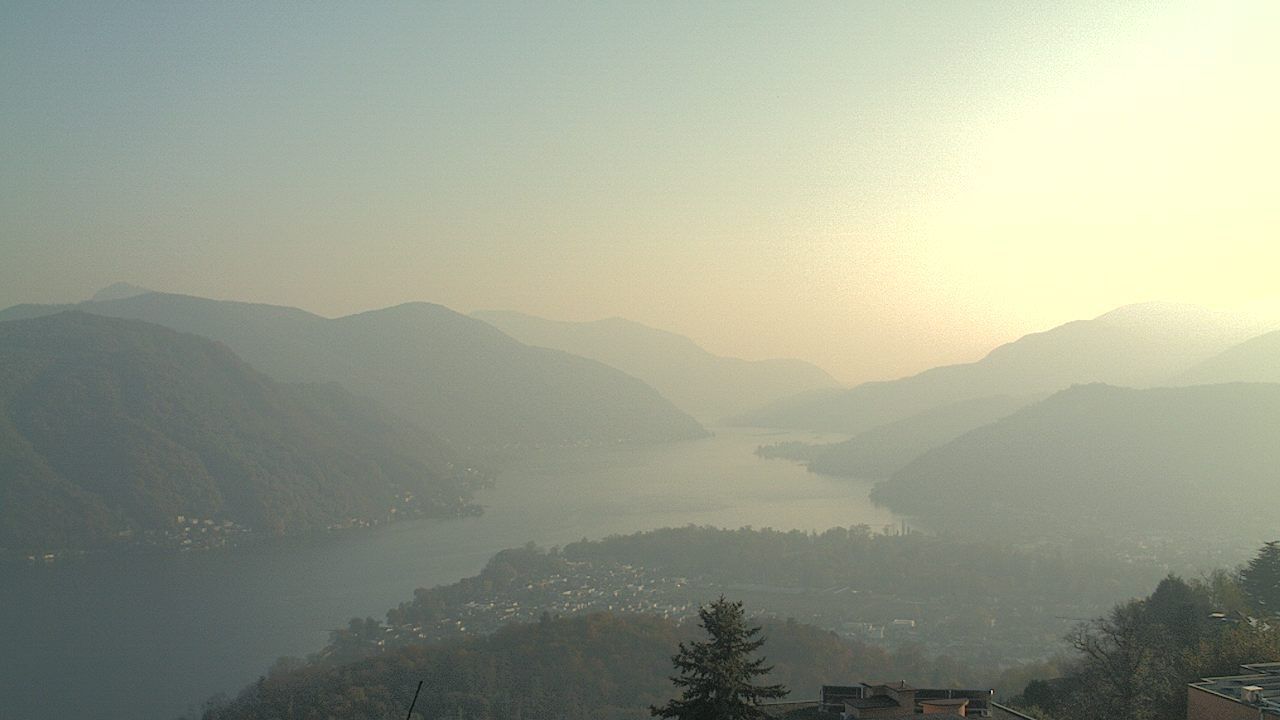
(142, 637)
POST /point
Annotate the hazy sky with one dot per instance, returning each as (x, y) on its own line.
(878, 187)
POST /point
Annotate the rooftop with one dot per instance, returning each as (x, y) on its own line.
(944, 702)
(875, 701)
(1000, 712)
(1259, 687)
(792, 710)
(845, 701)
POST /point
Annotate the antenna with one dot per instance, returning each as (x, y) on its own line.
(415, 701)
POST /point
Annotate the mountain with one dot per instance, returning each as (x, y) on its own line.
(882, 451)
(707, 386)
(1103, 457)
(119, 291)
(607, 666)
(1254, 360)
(110, 428)
(457, 377)
(1136, 345)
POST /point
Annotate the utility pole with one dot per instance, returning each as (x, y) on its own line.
(415, 701)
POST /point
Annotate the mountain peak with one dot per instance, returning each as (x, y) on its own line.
(1177, 317)
(704, 384)
(119, 291)
(458, 377)
(1158, 311)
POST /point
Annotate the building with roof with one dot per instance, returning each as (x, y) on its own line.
(1253, 695)
(893, 701)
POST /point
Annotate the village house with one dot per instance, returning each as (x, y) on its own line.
(1252, 695)
(894, 701)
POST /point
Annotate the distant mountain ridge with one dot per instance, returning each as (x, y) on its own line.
(1095, 455)
(457, 377)
(883, 450)
(1254, 360)
(119, 291)
(1136, 346)
(706, 385)
(113, 428)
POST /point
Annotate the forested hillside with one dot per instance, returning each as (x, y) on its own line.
(581, 668)
(1001, 606)
(1095, 456)
(110, 429)
(457, 377)
(1135, 662)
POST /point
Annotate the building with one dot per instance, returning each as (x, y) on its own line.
(1253, 695)
(894, 701)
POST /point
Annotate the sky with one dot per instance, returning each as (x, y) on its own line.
(878, 187)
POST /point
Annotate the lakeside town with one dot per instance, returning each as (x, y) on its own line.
(525, 585)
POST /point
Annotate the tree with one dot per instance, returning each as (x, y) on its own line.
(716, 676)
(1181, 608)
(1261, 579)
(1225, 593)
(1122, 663)
(1135, 663)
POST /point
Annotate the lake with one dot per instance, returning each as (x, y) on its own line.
(145, 636)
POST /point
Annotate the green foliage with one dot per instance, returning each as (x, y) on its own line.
(1135, 663)
(895, 575)
(1226, 593)
(600, 666)
(716, 676)
(914, 564)
(1260, 580)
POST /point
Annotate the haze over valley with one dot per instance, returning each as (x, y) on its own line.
(127, 432)
(612, 361)
(708, 386)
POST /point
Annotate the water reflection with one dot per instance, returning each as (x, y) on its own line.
(148, 637)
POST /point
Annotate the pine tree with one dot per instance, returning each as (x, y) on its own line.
(716, 677)
(1261, 579)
